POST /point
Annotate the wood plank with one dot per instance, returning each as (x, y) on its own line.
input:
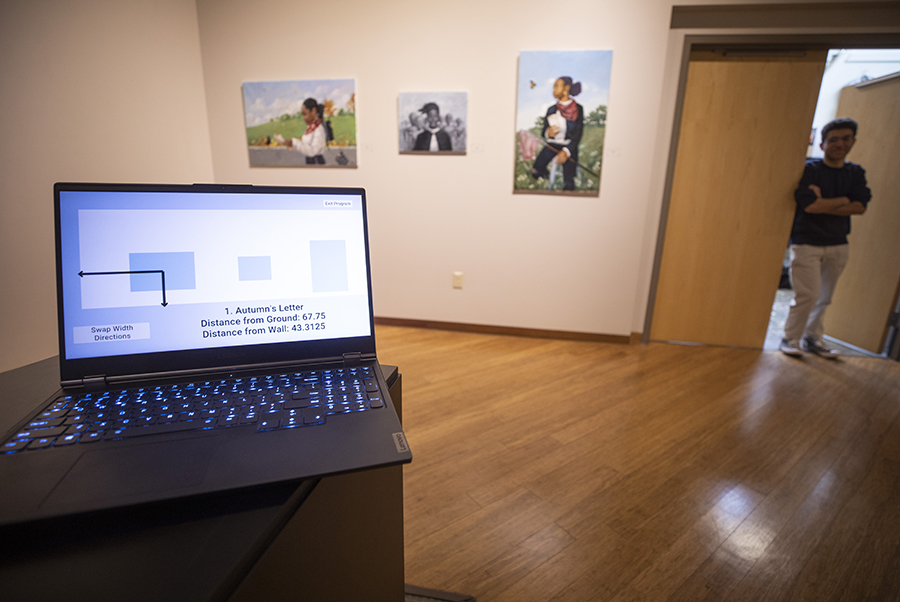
(518, 563)
(666, 571)
(725, 568)
(876, 574)
(775, 574)
(486, 534)
(552, 578)
(563, 471)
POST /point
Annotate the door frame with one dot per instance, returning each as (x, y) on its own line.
(737, 44)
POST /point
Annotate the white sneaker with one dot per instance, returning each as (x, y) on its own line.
(819, 348)
(790, 347)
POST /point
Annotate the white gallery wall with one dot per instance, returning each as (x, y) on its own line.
(576, 264)
(90, 90)
(529, 261)
(130, 91)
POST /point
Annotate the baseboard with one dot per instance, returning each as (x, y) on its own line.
(534, 333)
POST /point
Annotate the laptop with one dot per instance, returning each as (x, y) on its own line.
(210, 338)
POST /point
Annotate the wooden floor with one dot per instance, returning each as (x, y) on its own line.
(554, 470)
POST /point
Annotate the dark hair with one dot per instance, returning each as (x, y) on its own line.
(574, 89)
(844, 123)
(310, 104)
(430, 106)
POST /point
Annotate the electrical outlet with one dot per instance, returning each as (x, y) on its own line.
(457, 279)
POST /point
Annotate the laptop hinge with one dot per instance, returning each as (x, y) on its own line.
(94, 383)
(352, 360)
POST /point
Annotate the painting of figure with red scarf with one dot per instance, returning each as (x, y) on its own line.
(561, 121)
(301, 123)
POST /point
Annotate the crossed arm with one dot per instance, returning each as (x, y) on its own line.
(840, 205)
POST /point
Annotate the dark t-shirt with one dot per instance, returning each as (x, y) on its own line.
(821, 229)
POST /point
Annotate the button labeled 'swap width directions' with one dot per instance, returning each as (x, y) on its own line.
(162, 275)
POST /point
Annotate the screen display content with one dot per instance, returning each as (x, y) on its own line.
(146, 272)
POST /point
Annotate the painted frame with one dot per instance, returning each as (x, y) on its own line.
(432, 122)
(278, 133)
(561, 121)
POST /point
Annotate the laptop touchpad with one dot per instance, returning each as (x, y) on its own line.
(133, 474)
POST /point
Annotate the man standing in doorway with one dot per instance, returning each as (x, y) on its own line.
(830, 191)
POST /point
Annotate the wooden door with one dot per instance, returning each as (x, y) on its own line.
(867, 291)
(743, 139)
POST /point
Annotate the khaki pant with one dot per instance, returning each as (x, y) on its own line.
(814, 274)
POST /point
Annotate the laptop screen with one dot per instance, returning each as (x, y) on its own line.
(155, 269)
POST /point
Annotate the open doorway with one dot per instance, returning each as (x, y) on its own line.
(844, 67)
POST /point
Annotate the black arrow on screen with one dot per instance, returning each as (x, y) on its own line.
(160, 272)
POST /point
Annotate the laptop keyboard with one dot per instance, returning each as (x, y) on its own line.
(265, 403)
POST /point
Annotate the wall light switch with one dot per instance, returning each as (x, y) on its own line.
(457, 279)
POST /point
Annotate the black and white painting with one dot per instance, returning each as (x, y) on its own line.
(433, 122)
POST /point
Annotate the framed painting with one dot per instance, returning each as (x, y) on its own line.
(561, 121)
(432, 122)
(301, 123)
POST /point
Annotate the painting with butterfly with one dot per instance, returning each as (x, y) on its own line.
(561, 121)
